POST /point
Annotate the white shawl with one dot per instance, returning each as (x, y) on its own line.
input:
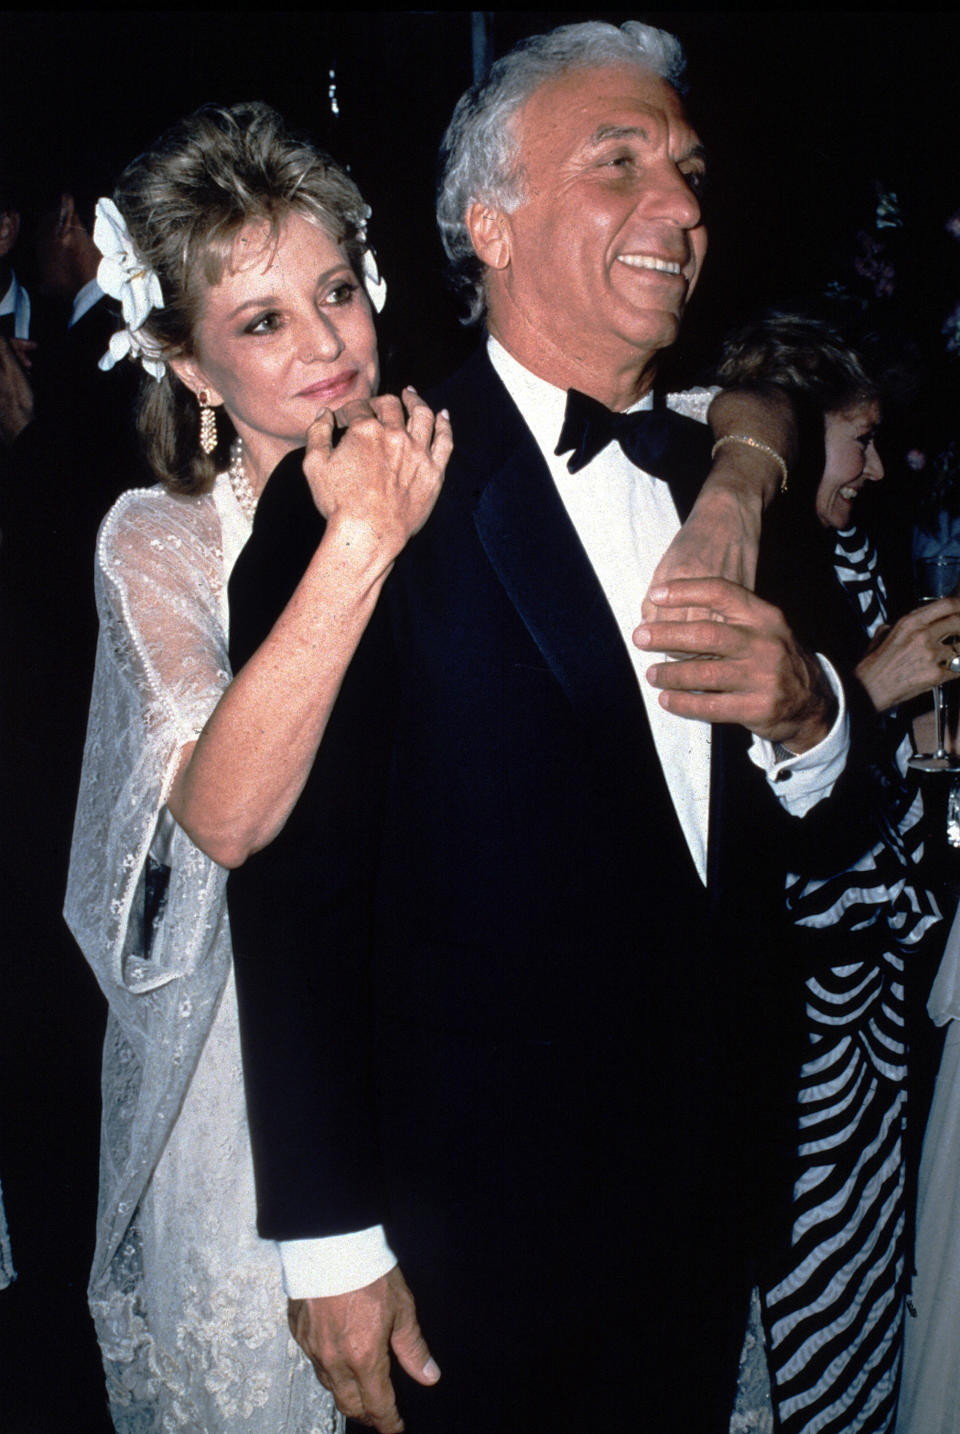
(163, 564)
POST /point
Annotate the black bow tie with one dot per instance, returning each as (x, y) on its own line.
(659, 441)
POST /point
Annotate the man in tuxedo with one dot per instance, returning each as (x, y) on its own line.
(513, 1001)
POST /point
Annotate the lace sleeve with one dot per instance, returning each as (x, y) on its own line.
(693, 402)
(161, 667)
(161, 603)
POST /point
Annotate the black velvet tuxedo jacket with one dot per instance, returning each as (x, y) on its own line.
(485, 998)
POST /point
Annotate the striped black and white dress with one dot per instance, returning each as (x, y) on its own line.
(834, 1316)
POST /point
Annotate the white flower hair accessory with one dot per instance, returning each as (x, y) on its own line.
(375, 286)
(123, 275)
(137, 345)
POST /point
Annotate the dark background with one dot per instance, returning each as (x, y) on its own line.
(804, 118)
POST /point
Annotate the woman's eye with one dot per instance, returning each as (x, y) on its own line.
(341, 293)
(264, 324)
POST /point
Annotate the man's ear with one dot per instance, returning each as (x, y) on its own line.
(489, 231)
(65, 214)
(191, 375)
(68, 219)
(9, 229)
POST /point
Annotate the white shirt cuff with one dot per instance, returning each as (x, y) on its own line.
(334, 1264)
(801, 782)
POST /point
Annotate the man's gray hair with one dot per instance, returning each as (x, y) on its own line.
(480, 154)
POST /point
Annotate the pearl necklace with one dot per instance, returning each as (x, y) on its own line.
(239, 482)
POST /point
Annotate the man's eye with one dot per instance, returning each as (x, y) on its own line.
(696, 180)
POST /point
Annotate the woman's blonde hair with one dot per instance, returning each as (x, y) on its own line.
(185, 201)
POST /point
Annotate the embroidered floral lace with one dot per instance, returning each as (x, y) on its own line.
(188, 1302)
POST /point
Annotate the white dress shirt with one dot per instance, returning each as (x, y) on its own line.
(625, 520)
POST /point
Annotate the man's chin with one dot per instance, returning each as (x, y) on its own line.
(654, 331)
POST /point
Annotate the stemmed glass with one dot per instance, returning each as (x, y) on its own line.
(937, 578)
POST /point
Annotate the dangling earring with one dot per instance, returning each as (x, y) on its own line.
(208, 422)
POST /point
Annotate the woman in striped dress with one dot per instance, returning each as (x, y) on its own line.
(833, 1301)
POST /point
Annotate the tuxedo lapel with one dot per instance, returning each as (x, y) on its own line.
(536, 554)
(542, 567)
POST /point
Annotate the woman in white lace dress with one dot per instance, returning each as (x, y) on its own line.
(235, 249)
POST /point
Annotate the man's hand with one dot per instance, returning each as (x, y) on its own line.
(742, 665)
(348, 1339)
(913, 655)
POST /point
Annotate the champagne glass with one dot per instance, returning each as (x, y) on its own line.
(937, 578)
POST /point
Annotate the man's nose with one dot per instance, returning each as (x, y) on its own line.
(673, 198)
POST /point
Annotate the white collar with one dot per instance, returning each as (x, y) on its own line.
(84, 301)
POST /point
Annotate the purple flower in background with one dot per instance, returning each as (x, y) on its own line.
(952, 225)
(916, 461)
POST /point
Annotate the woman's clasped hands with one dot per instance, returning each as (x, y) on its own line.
(376, 486)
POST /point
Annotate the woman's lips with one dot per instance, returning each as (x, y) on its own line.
(328, 390)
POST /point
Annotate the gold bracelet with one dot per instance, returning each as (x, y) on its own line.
(761, 447)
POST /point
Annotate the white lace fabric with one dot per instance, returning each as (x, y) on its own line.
(188, 1302)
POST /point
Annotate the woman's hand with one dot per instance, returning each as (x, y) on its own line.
(239, 782)
(721, 536)
(912, 656)
(720, 539)
(377, 487)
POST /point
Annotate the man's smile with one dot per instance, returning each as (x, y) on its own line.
(650, 261)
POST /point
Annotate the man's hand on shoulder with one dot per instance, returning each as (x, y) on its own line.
(742, 664)
(348, 1339)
